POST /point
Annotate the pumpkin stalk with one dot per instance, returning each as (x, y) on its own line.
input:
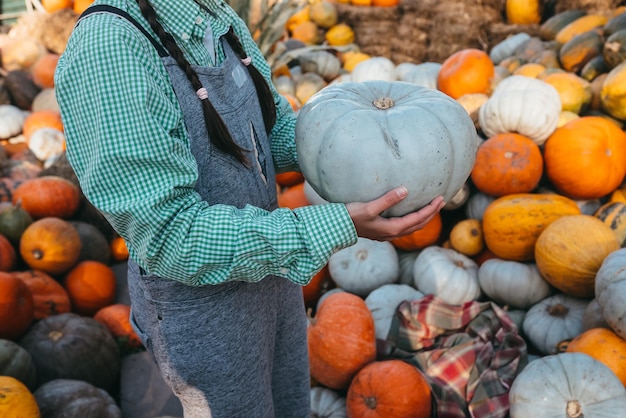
(573, 409)
(371, 403)
(558, 310)
(55, 335)
(383, 103)
(37, 254)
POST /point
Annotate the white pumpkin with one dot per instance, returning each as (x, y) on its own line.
(447, 274)
(476, 205)
(312, 196)
(11, 120)
(592, 317)
(327, 403)
(357, 141)
(374, 68)
(424, 74)
(556, 318)
(46, 100)
(512, 283)
(403, 69)
(524, 105)
(506, 47)
(364, 266)
(47, 143)
(567, 385)
(407, 260)
(383, 302)
(610, 290)
(321, 62)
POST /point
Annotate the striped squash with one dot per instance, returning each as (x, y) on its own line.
(613, 214)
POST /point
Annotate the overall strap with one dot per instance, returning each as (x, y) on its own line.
(105, 8)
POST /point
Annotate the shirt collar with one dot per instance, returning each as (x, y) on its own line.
(179, 16)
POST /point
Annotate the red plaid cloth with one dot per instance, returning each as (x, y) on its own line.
(470, 353)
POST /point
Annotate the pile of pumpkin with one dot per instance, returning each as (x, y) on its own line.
(539, 228)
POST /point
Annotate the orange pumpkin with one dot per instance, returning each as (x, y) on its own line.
(466, 71)
(41, 119)
(605, 346)
(421, 238)
(8, 255)
(466, 237)
(7, 187)
(586, 157)
(49, 297)
(390, 389)
(523, 12)
(51, 245)
(16, 400)
(319, 284)
(289, 178)
(341, 339)
(91, 286)
(507, 163)
(43, 70)
(48, 196)
(385, 3)
(16, 307)
(575, 92)
(570, 251)
(119, 250)
(79, 6)
(55, 5)
(116, 318)
(293, 197)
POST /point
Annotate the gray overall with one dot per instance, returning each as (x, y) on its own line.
(236, 349)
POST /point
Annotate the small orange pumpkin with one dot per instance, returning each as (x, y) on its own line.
(8, 255)
(391, 389)
(49, 297)
(51, 245)
(48, 196)
(289, 178)
(319, 284)
(293, 197)
(41, 119)
(507, 163)
(466, 71)
(341, 339)
(421, 238)
(91, 286)
(605, 346)
(43, 70)
(16, 400)
(119, 250)
(16, 307)
(116, 318)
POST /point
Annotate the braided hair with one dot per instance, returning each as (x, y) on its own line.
(216, 128)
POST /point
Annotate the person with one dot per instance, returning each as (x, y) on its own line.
(176, 133)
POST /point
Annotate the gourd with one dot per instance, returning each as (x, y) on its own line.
(327, 403)
(49, 297)
(466, 71)
(94, 245)
(610, 290)
(466, 237)
(421, 238)
(389, 388)
(512, 283)
(116, 318)
(13, 221)
(397, 123)
(383, 302)
(69, 346)
(374, 68)
(321, 62)
(570, 251)
(523, 105)
(341, 339)
(11, 121)
(523, 12)
(592, 318)
(8, 255)
(569, 385)
(16, 307)
(47, 143)
(91, 286)
(552, 320)
(613, 92)
(581, 49)
(506, 47)
(476, 205)
(17, 400)
(447, 274)
(364, 266)
(60, 398)
(16, 362)
(605, 346)
(580, 25)
(574, 91)
(407, 259)
(459, 198)
(424, 74)
(612, 214)
(48, 196)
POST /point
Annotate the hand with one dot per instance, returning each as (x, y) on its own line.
(369, 223)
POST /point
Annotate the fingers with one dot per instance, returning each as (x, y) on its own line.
(387, 200)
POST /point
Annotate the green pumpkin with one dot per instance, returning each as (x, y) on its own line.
(16, 362)
(13, 221)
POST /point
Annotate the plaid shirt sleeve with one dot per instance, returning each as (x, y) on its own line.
(128, 146)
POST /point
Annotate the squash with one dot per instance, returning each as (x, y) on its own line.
(610, 288)
(47, 143)
(13, 222)
(424, 74)
(69, 346)
(522, 105)
(466, 237)
(615, 23)
(51, 245)
(530, 69)
(614, 49)
(512, 223)
(41, 119)
(364, 266)
(592, 70)
(11, 121)
(512, 283)
(613, 92)
(447, 274)
(91, 286)
(339, 35)
(579, 50)
(8, 255)
(574, 91)
(569, 385)
(523, 12)
(389, 388)
(94, 245)
(476, 205)
(552, 320)
(383, 302)
(72, 397)
(21, 52)
(506, 47)
(327, 403)
(45, 100)
(549, 29)
(592, 318)
(407, 259)
(374, 68)
(16, 400)
(43, 69)
(49, 297)
(466, 71)
(16, 362)
(307, 85)
(570, 250)
(341, 339)
(321, 62)
(116, 318)
(590, 144)
(422, 238)
(605, 346)
(507, 163)
(324, 14)
(48, 196)
(580, 25)
(319, 284)
(613, 214)
(389, 115)
(16, 307)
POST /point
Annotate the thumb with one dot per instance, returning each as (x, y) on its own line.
(389, 199)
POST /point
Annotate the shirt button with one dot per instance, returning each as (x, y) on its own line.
(284, 270)
(199, 20)
(185, 36)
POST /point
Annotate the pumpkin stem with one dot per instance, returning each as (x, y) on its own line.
(55, 335)
(573, 409)
(371, 403)
(558, 310)
(37, 254)
(361, 255)
(383, 103)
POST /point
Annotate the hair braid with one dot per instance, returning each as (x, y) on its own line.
(217, 130)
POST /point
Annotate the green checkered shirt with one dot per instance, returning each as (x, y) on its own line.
(127, 144)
